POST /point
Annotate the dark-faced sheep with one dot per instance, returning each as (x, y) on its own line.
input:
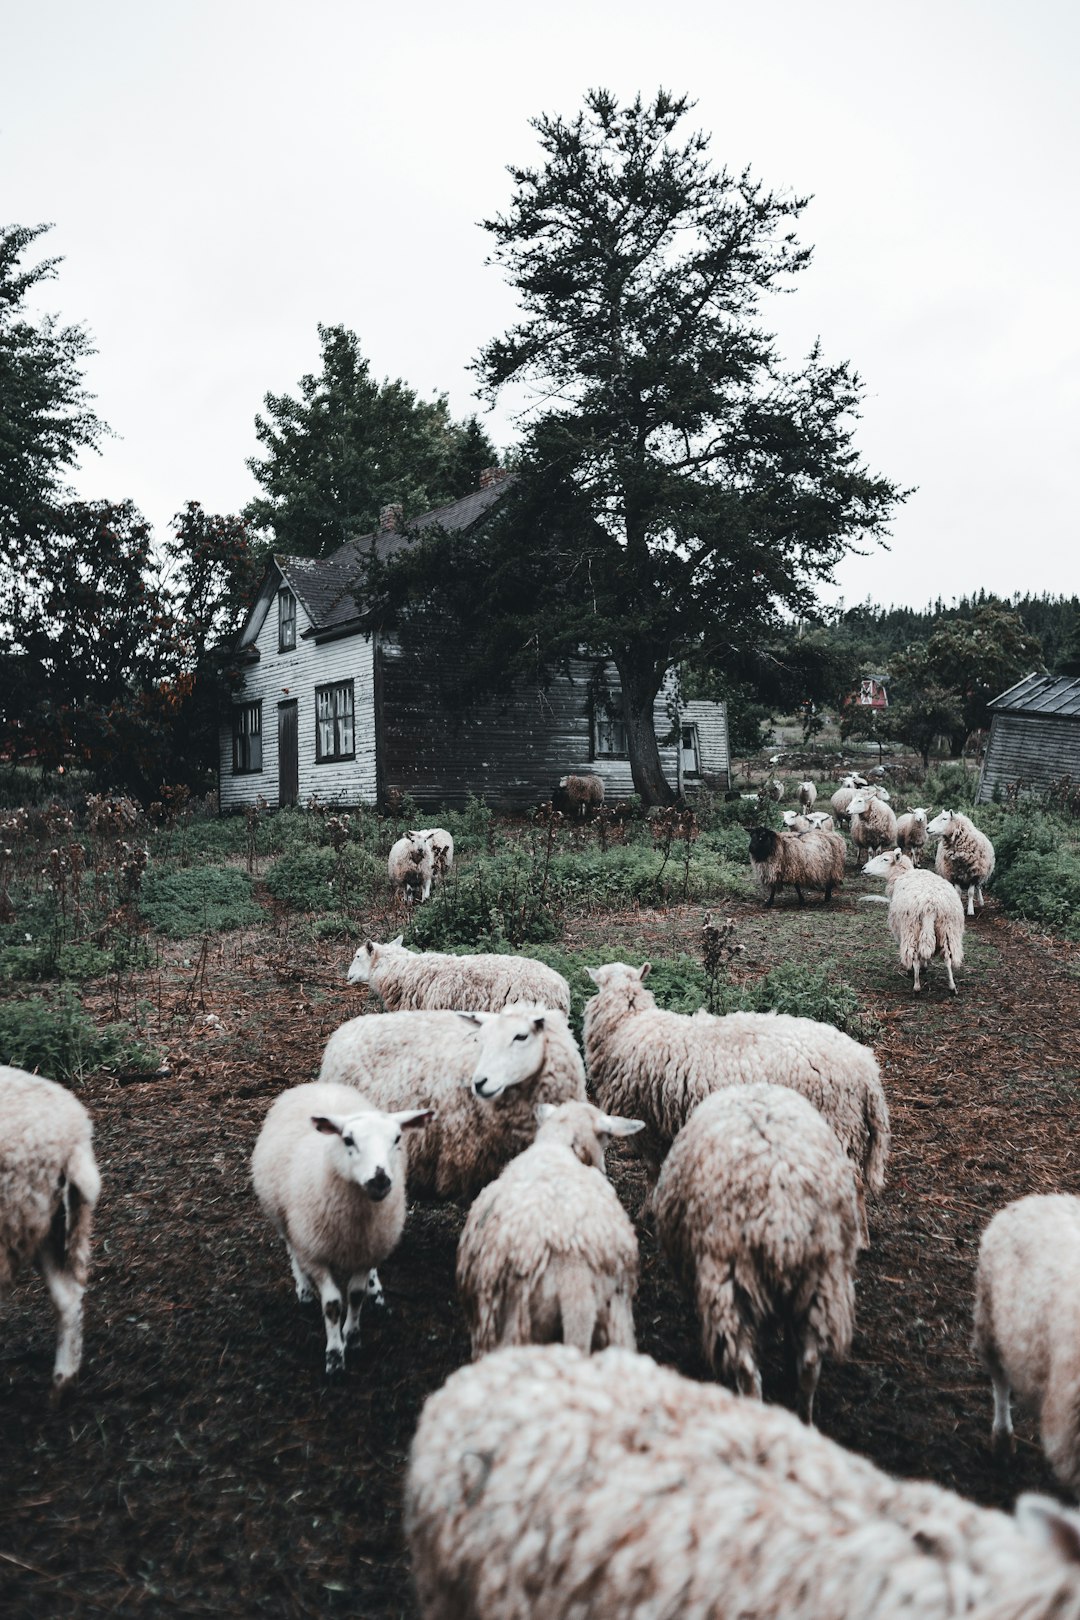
(808, 860)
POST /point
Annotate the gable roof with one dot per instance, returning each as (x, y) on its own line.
(324, 585)
(1042, 694)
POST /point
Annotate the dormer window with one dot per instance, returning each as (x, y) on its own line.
(286, 620)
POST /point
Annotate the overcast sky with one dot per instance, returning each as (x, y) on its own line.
(222, 176)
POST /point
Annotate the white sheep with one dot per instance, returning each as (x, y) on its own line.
(911, 832)
(1027, 1322)
(965, 856)
(329, 1171)
(441, 844)
(849, 786)
(542, 1482)
(49, 1184)
(773, 789)
(547, 1252)
(807, 795)
(795, 821)
(445, 1060)
(873, 825)
(410, 866)
(756, 1209)
(925, 915)
(821, 821)
(408, 980)
(658, 1066)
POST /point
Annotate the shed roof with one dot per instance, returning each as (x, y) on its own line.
(1042, 694)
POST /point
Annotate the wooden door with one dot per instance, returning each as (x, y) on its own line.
(288, 753)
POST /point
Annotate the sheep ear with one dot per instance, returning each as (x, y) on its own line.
(394, 942)
(538, 1024)
(594, 974)
(329, 1127)
(410, 1118)
(615, 1125)
(1050, 1525)
(474, 1018)
(644, 970)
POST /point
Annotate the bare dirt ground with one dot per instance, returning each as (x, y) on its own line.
(204, 1467)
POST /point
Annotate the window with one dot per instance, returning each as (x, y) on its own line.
(609, 733)
(247, 738)
(688, 743)
(334, 722)
(286, 621)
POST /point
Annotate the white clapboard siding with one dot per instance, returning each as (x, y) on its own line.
(279, 676)
(714, 756)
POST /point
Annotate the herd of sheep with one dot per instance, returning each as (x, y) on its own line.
(562, 1473)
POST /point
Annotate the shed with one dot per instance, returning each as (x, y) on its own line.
(1034, 736)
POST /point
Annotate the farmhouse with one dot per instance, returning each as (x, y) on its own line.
(1034, 735)
(329, 707)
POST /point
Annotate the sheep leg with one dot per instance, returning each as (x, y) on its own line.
(916, 987)
(727, 1335)
(799, 892)
(375, 1291)
(860, 1210)
(1001, 1435)
(304, 1291)
(330, 1297)
(809, 1371)
(947, 954)
(979, 895)
(772, 896)
(620, 1324)
(577, 1309)
(356, 1293)
(67, 1298)
(971, 900)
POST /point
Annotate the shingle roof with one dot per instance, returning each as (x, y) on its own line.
(324, 585)
(1042, 694)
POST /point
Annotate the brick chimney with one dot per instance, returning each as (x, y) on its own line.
(390, 518)
(493, 475)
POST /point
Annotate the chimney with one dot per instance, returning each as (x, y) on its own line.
(493, 475)
(390, 518)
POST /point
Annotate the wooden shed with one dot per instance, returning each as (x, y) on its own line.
(1034, 736)
(329, 708)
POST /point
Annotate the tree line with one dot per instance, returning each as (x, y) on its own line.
(680, 493)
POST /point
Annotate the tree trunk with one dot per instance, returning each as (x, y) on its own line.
(640, 684)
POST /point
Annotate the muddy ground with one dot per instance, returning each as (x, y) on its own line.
(203, 1467)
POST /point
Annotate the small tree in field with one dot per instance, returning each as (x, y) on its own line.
(678, 488)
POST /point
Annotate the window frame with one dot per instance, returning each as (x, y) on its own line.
(691, 727)
(286, 620)
(240, 736)
(607, 721)
(335, 718)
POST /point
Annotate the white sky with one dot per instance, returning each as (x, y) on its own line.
(222, 176)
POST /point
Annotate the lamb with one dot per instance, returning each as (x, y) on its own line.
(410, 866)
(911, 833)
(873, 825)
(849, 786)
(49, 1184)
(807, 795)
(813, 860)
(329, 1171)
(441, 844)
(545, 1482)
(414, 981)
(1027, 1322)
(547, 1252)
(482, 1072)
(926, 917)
(658, 1066)
(756, 1209)
(580, 796)
(772, 789)
(821, 821)
(794, 821)
(965, 856)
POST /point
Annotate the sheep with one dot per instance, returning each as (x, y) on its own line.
(547, 1251)
(329, 1172)
(873, 825)
(772, 789)
(926, 917)
(965, 856)
(580, 796)
(821, 821)
(813, 860)
(756, 1209)
(849, 786)
(807, 795)
(911, 833)
(416, 981)
(794, 821)
(410, 866)
(657, 1066)
(546, 1482)
(1027, 1322)
(441, 844)
(49, 1185)
(442, 1060)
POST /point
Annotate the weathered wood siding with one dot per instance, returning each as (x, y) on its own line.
(714, 754)
(1028, 748)
(301, 670)
(509, 750)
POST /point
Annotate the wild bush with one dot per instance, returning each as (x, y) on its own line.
(313, 879)
(183, 901)
(56, 1037)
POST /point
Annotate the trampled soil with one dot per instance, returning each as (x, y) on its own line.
(204, 1467)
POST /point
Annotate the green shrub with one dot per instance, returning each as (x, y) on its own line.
(20, 963)
(311, 879)
(56, 1037)
(490, 906)
(803, 991)
(1043, 886)
(198, 899)
(948, 786)
(337, 927)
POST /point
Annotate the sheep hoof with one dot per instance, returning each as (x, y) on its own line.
(61, 1389)
(1003, 1444)
(335, 1363)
